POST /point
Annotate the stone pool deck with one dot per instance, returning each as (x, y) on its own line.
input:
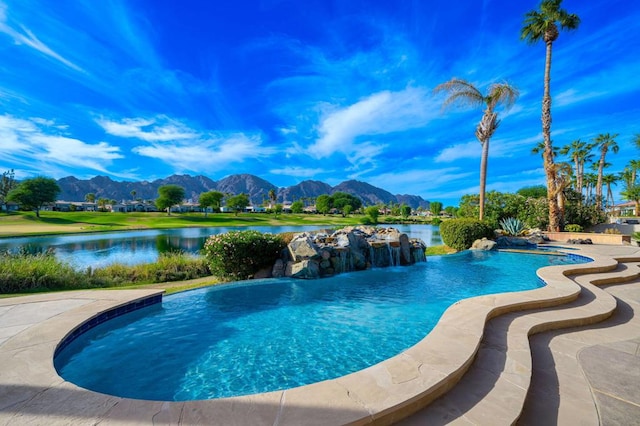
(567, 353)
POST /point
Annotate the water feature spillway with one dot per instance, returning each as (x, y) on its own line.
(321, 254)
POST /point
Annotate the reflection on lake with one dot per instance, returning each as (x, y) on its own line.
(134, 247)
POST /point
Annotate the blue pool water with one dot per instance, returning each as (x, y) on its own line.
(267, 335)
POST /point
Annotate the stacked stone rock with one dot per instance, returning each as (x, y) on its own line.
(326, 253)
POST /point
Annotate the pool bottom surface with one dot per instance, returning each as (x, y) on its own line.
(268, 335)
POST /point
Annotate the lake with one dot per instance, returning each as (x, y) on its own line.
(144, 246)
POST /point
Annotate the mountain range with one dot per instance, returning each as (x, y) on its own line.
(74, 189)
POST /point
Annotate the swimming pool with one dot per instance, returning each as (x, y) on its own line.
(266, 335)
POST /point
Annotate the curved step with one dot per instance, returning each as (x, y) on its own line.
(562, 349)
(494, 389)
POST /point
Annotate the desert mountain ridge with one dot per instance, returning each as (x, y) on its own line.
(74, 189)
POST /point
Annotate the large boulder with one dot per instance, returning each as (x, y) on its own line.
(307, 269)
(484, 244)
(302, 248)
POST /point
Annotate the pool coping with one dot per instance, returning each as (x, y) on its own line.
(30, 388)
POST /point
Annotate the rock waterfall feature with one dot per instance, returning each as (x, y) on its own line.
(312, 255)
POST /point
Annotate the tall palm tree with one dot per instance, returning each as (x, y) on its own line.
(543, 25)
(628, 176)
(610, 179)
(272, 195)
(604, 142)
(462, 91)
(580, 153)
(540, 148)
(589, 182)
(634, 166)
(564, 177)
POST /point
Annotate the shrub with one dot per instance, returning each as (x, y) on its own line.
(573, 227)
(512, 226)
(612, 231)
(372, 212)
(436, 221)
(460, 234)
(240, 254)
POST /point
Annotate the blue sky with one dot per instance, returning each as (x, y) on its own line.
(289, 90)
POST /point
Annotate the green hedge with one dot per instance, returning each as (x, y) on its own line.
(238, 255)
(460, 234)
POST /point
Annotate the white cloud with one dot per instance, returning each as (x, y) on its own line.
(296, 171)
(471, 149)
(160, 128)
(419, 181)
(379, 114)
(37, 138)
(207, 154)
(24, 36)
(572, 96)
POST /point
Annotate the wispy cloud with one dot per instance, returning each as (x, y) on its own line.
(471, 149)
(40, 139)
(24, 36)
(208, 154)
(343, 129)
(297, 171)
(160, 128)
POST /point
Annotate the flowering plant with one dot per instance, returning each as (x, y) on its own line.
(238, 255)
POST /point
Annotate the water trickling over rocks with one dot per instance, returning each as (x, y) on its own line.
(326, 253)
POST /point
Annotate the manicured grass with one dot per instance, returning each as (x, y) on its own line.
(439, 250)
(26, 223)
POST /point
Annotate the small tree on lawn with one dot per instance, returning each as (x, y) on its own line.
(34, 193)
(210, 199)
(435, 207)
(297, 207)
(238, 203)
(405, 211)
(324, 204)
(170, 195)
(372, 212)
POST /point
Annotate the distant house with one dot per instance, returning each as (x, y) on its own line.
(68, 206)
(624, 209)
(127, 207)
(256, 209)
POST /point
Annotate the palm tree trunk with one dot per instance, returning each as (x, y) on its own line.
(599, 182)
(550, 170)
(483, 175)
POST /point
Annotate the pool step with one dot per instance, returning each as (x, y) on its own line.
(494, 389)
(558, 369)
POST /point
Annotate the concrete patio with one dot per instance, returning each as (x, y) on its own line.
(567, 353)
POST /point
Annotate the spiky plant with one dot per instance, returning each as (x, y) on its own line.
(512, 226)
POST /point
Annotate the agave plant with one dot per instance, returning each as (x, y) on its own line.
(512, 226)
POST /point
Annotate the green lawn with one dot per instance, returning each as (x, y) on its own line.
(26, 223)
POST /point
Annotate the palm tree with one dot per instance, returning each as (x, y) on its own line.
(498, 94)
(604, 142)
(628, 176)
(133, 194)
(540, 148)
(564, 177)
(580, 153)
(634, 166)
(273, 197)
(543, 25)
(610, 179)
(589, 181)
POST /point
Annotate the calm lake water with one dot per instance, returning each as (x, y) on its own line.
(135, 247)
